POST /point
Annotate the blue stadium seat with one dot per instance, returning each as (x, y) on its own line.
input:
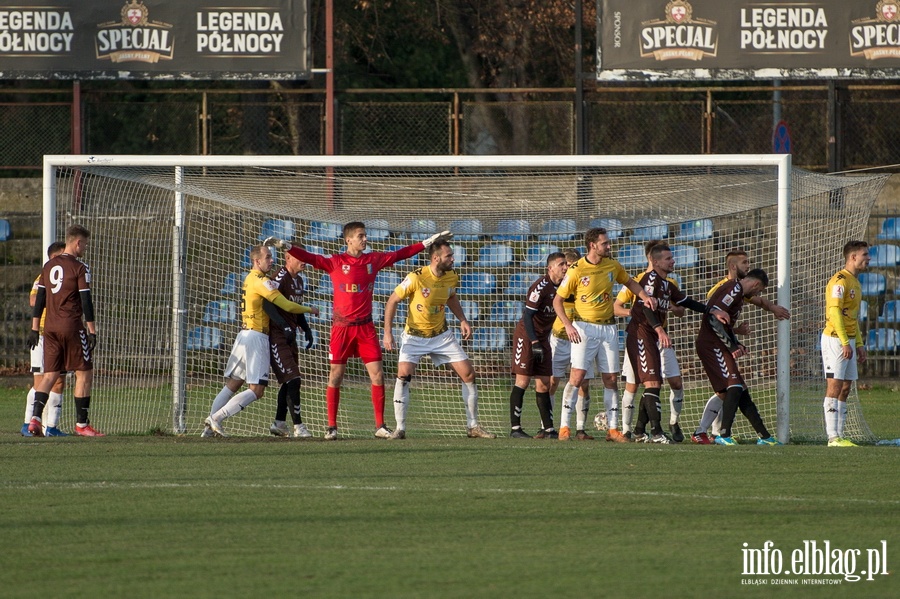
(506, 311)
(282, 229)
(622, 335)
(557, 229)
(470, 308)
(632, 257)
(863, 311)
(695, 230)
(872, 283)
(325, 287)
(5, 230)
(686, 256)
(884, 256)
(646, 229)
(613, 226)
(377, 229)
(884, 340)
(460, 257)
(386, 281)
(324, 232)
(466, 229)
(677, 278)
(378, 312)
(889, 313)
(490, 339)
(477, 283)
(221, 311)
(520, 282)
(246, 262)
(536, 255)
(495, 255)
(325, 310)
(315, 249)
(514, 229)
(890, 228)
(421, 228)
(232, 284)
(204, 338)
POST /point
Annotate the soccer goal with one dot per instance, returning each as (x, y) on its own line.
(171, 236)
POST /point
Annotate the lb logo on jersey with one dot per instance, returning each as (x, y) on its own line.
(853, 294)
(426, 291)
(585, 281)
(345, 268)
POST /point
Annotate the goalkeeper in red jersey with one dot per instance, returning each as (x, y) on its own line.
(353, 332)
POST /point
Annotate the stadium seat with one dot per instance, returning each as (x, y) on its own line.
(557, 229)
(890, 228)
(324, 232)
(646, 229)
(613, 226)
(889, 313)
(5, 230)
(506, 311)
(520, 282)
(221, 311)
(883, 340)
(622, 335)
(632, 257)
(477, 283)
(325, 287)
(515, 229)
(377, 229)
(459, 255)
(421, 228)
(677, 278)
(246, 262)
(282, 229)
(378, 312)
(686, 256)
(536, 255)
(495, 255)
(204, 338)
(884, 256)
(232, 284)
(863, 311)
(466, 229)
(490, 339)
(470, 308)
(695, 230)
(872, 283)
(315, 249)
(386, 281)
(325, 310)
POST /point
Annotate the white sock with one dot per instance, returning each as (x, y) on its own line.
(401, 403)
(831, 417)
(611, 405)
(676, 401)
(29, 405)
(582, 407)
(234, 405)
(841, 417)
(568, 404)
(470, 399)
(53, 409)
(221, 399)
(710, 413)
(716, 427)
(627, 411)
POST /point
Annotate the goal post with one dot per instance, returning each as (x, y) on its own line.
(169, 236)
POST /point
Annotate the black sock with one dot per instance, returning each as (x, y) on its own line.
(751, 412)
(516, 399)
(545, 409)
(293, 398)
(650, 403)
(730, 408)
(82, 404)
(40, 400)
(281, 404)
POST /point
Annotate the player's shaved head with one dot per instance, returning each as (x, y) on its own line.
(734, 257)
(760, 275)
(437, 246)
(852, 247)
(648, 247)
(77, 232)
(592, 235)
(258, 251)
(657, 250)
(351, 227)
(55, 248)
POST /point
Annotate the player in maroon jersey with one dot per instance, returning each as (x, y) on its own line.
(64, 289)
(353, 332)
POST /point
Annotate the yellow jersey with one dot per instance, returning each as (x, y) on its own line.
(257, 287)
(33, 293)
(592, 284)
(427, 295)
(844, 293)
(559, 330)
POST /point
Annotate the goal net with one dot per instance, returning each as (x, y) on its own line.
(171, 236)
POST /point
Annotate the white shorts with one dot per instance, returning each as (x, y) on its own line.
(599, 347)
(443, 348)
(37, 357)
(833, 359)
(562, 358)
(249, 359)
(669, 366)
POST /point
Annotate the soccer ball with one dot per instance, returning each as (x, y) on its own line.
(600, 421)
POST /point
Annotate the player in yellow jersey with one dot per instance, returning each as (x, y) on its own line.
(842, 340)
(249, 359)
(593, 330)
(52, 411)
(428, 291)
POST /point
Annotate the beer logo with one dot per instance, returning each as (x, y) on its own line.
(134, 14)
(679, 35)
(678, 12)
(134, 37)
(878, 36)
(887, 10)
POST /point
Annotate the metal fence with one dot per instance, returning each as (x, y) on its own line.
(832, 129)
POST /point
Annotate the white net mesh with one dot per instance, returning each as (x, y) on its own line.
(506, 220)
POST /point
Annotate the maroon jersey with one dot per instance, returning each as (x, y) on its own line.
(666, 293)
(293, 288)
(353, 279)
(539, 300)
(63, 279)
(729, 298)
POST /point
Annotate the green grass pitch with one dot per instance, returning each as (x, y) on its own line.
(166, 516)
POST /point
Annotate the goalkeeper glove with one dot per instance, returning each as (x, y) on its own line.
(537, 352)
(310, 341)
(92, 341)
(33, 339)
(445, 235)
(279, 243)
